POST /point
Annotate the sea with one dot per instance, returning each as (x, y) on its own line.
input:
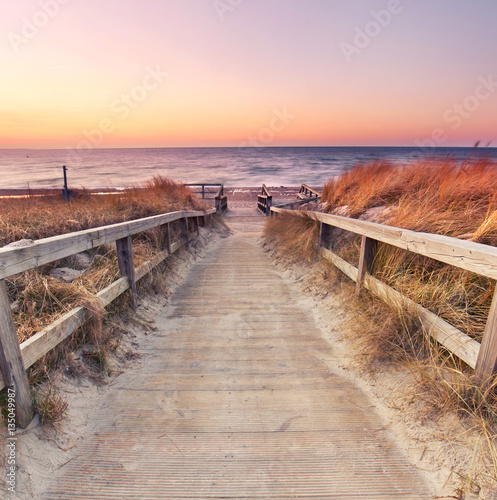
(237, 167)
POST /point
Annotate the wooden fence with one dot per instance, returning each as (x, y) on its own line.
(15, 358)
(474, 257)
(221, 200)
(305, 195)
(264, 200)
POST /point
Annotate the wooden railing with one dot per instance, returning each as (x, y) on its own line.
(203, 190)
(264, 200)
(221, 200)
(305, 195)
(474, 257)
(15, 358)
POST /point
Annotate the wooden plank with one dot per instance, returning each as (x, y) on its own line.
(486, 366)
(11, 363)
(449, 336)
(44, 251)
(45, 340)
(474, 257)
(126, 266)
(366, 259)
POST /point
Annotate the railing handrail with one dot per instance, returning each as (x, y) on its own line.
(203, 184)
(14, 260)
(468, 255)
(265, 191)
(305, 187)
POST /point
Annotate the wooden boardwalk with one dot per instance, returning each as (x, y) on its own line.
(236, 399)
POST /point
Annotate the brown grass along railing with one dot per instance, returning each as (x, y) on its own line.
(15, 358)
(475, 257)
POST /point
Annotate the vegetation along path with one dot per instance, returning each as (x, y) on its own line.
(236, 400)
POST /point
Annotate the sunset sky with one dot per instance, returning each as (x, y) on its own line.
(168, 73)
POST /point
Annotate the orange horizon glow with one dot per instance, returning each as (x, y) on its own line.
(176, 75)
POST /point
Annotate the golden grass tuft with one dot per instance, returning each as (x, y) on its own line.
(296, 237)
(39, 217)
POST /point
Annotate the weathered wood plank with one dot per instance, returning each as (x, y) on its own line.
(366, 259)
(474, 257)
(126, 265)
(44, 251)
(45, 340)
(486, 366)
(449, 336)
(11, 363)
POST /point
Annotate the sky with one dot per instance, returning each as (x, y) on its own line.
(187, 73)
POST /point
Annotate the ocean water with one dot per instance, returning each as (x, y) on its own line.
(283, 166)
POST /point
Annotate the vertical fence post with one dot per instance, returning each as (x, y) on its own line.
(366, 259)
(324, 236)
(126, 266)
(11, 362)
(486, 364)
(165, 235)
(184, 230)
(269, 202)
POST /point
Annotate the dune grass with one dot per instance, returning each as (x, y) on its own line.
(39, 217)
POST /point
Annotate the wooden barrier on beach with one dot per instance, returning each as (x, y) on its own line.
(15, 358)
(264, 200)
(305, 195)
(221, 200)
(203, 190)
(467, 255)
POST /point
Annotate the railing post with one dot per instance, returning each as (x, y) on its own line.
(184, 230)
(366, 259)
(324, 236)
(126, 265)
(166, 235)
(269, 202)
(11, 362)
(486, 364)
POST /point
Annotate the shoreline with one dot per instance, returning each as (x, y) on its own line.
(238, 196)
